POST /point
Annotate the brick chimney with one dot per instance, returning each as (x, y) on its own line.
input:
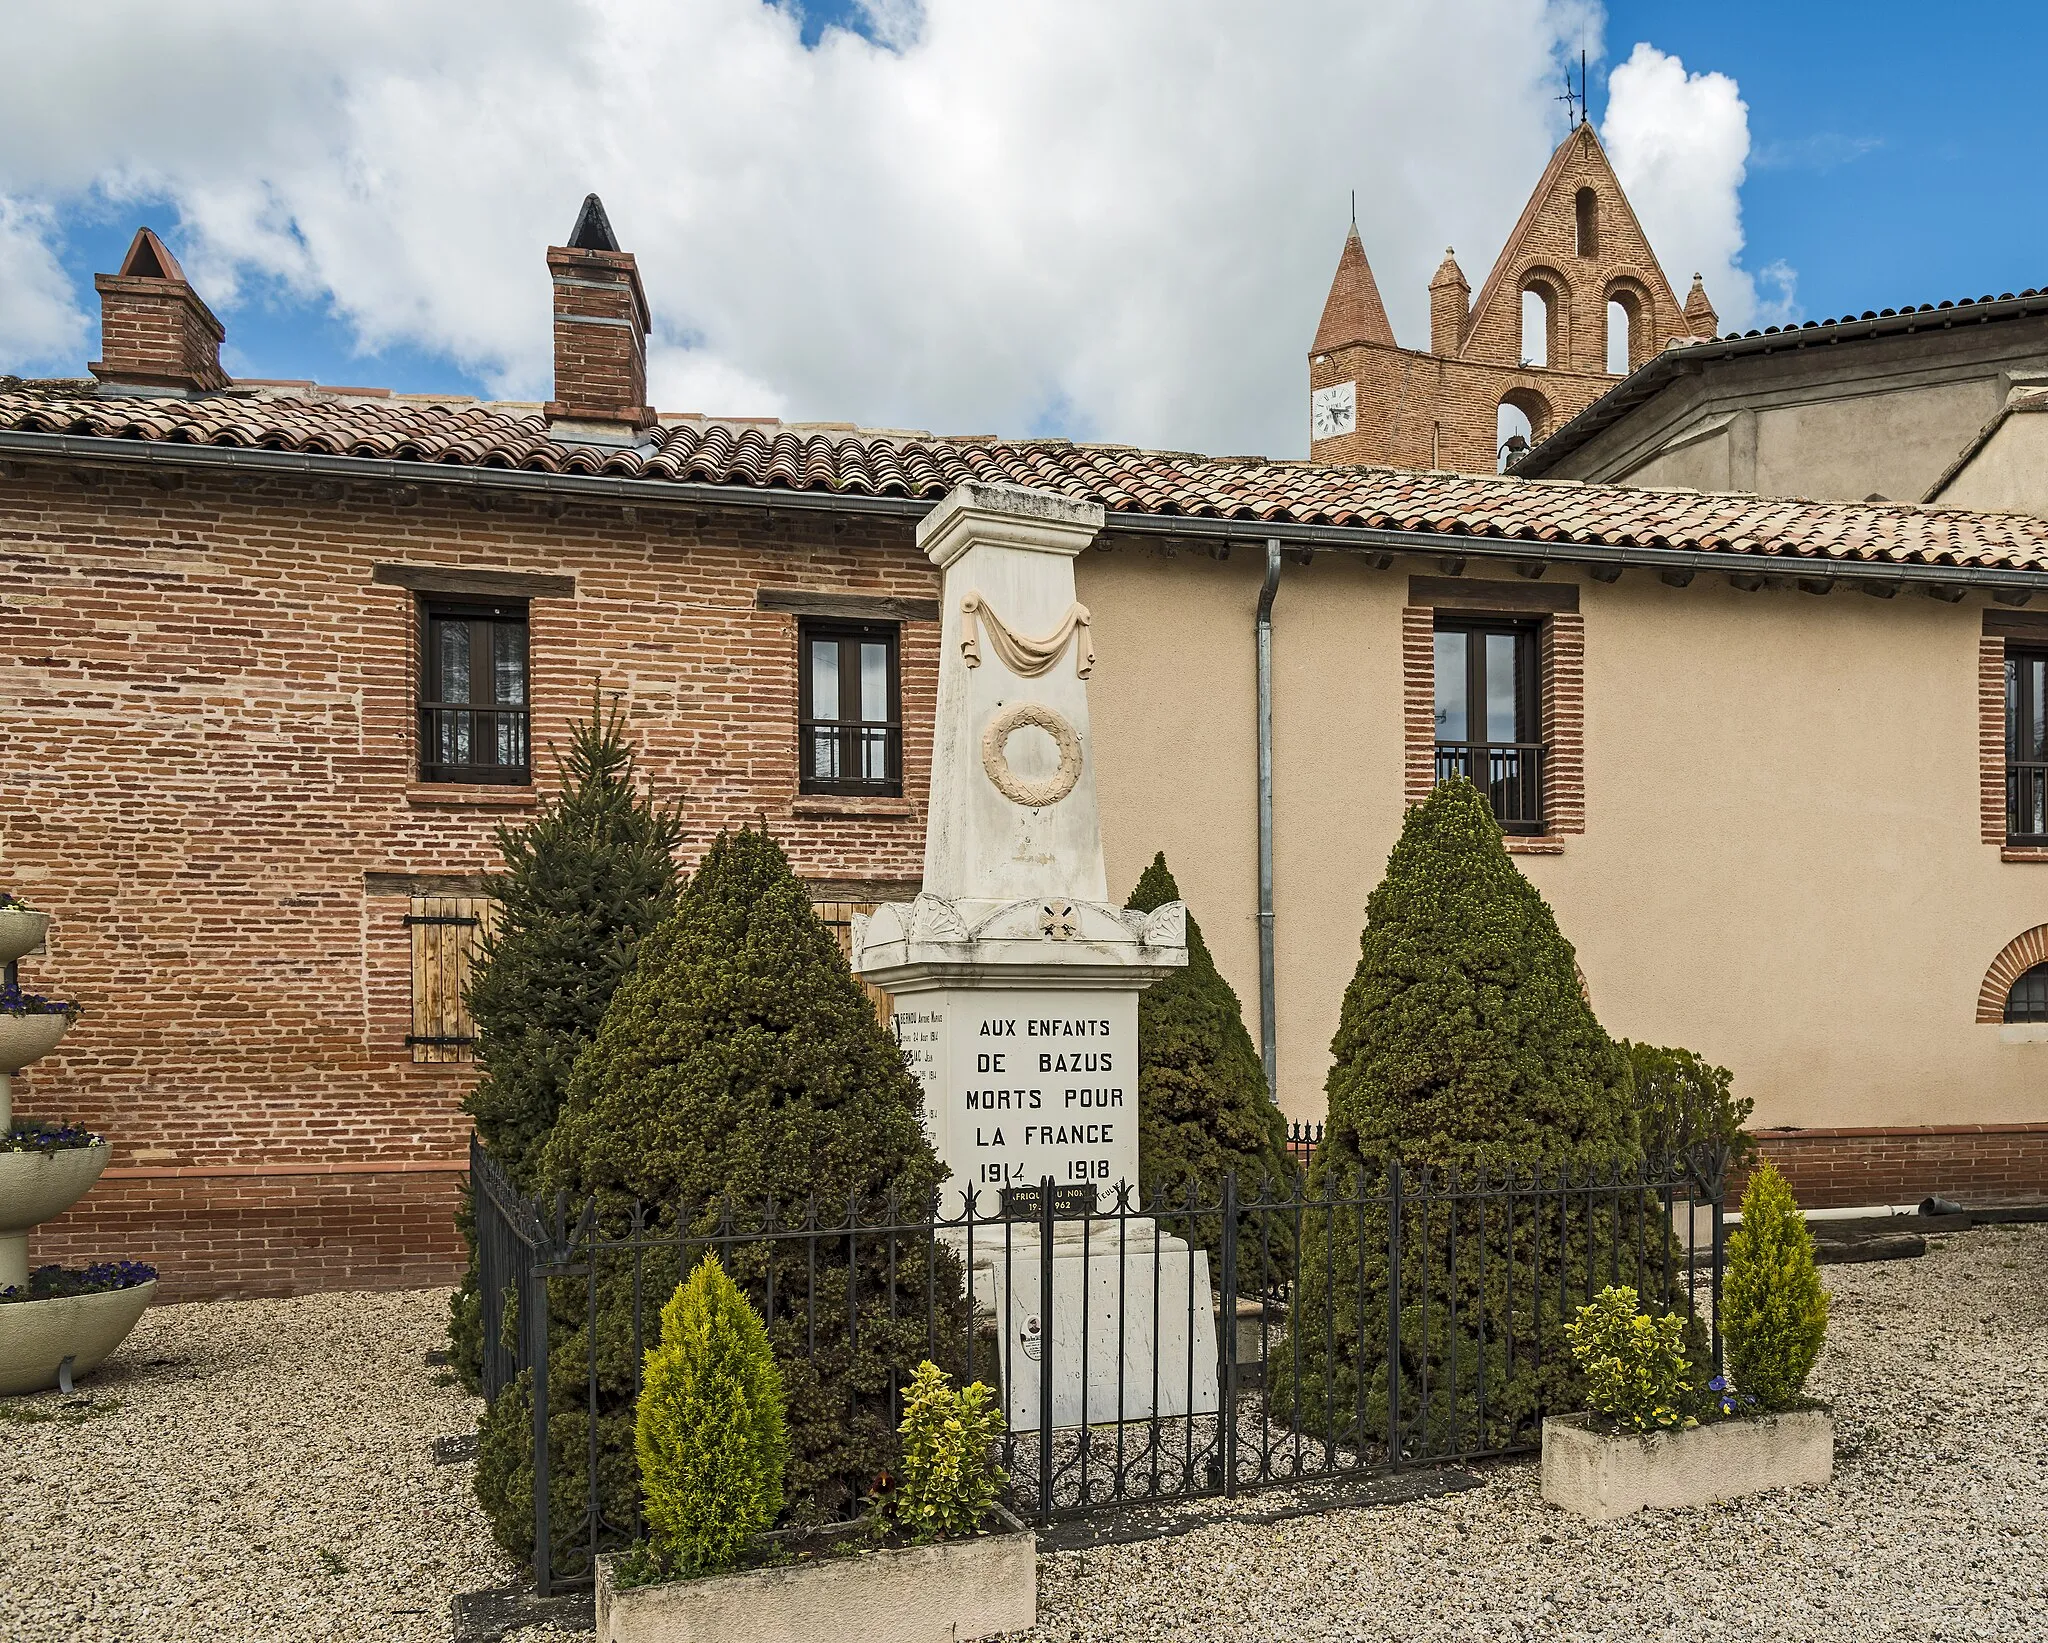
(1450, 307)
(156, 336)
(600, 335)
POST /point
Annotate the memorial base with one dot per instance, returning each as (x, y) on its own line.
(1132, 1319)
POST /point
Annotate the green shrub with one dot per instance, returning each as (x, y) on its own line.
(1203, 1107)
(741, 1057)
(708, 1430)
(583, 883)
(1637, 1373)
(1682, 1103)
(1464, 1048)
(948, 1483)
(1775, 1314)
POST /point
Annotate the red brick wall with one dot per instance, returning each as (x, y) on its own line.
(1977, 1165)
(206, 728)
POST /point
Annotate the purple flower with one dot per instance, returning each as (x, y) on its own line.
(49, 1283)
(1718, 1384)
(13, 1001)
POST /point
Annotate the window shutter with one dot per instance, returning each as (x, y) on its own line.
(447, 934)
(838, 917)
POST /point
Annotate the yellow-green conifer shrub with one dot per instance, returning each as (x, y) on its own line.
(708, 1428)
(949, 1484)
(1635, 1366)
(1775, 1314)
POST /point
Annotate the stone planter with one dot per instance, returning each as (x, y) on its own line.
(1604, 1478)
(38, 1186)
(948, 1593)
(26, 1038)
(35, 1187)
(37, 1336)
(21, 932)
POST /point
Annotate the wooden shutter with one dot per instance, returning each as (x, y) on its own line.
(447, 933)
(838, 917)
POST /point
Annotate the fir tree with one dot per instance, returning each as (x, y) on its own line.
(582, 884)
(1203, 1108)
(1465, 1053)
(742, 1062)
(1775, 1312)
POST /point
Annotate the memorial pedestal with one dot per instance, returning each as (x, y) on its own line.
(1016, 984)
(1131, 1324)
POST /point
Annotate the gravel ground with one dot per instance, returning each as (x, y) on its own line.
(1936, 1526)
(252, 1470)
(261, 1470)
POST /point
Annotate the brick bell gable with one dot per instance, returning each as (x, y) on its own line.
(1578, 241)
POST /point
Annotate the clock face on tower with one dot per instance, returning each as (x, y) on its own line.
(1333, 410)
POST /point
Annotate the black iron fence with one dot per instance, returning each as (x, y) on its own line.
(1206, 1341)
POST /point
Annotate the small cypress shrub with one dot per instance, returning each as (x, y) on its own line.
(582, 885)
(740, 1062)
(1637, 1373)
(708, 1430)
(1775, 1312)
(948, 1483)
(1683, 1102)
(1202, 1101)
(1464, 1047)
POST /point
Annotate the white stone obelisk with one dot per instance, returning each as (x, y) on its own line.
(1016, 983)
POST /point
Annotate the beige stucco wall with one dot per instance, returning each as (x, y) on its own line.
(2010, 471)
(1781, 866)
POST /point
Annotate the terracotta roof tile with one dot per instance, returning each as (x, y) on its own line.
(1123, 479)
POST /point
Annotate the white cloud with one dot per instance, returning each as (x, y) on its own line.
(1121, 218)
(1680, 144)
(41, 326)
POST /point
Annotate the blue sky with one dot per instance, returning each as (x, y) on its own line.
(1104, 219)
(1891, 161)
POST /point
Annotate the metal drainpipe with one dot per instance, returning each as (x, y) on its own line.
(1268, 1027)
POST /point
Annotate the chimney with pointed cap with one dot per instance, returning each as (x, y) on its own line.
(156, 336)
(1450, 307)
(600, 334)
(1700, 318)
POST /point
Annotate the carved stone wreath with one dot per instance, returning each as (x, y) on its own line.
(1046, 789)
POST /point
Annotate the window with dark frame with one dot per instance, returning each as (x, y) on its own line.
(2026, 745)
(474, 697)
(1489, 714)
(850, 713)
(2028, 1000)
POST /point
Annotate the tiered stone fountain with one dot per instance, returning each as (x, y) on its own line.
(48, 1342)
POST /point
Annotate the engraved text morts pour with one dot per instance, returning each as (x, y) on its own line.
(1016, 983)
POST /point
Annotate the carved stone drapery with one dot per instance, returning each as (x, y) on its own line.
(1027, 658)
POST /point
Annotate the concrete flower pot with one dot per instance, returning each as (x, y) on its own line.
(947, 1593)
(39, 1186)
(35, 1187)
(1604, 1478)
(21, 932)
(26, 1038)
(37, 1336)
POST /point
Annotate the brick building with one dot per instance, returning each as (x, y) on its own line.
(1575, 300)
(277, 660)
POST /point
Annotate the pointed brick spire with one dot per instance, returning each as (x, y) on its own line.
(1354, 312)
(1700, 318)
(1450, 306)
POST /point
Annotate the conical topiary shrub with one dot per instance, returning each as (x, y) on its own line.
(1774, 1312)
(741, 1059)
(1202, 1103)
(1465, 1050)
(583, 883)
(708, 1430)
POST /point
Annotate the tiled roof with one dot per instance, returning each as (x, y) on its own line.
(1651, 377)
(837, 460)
